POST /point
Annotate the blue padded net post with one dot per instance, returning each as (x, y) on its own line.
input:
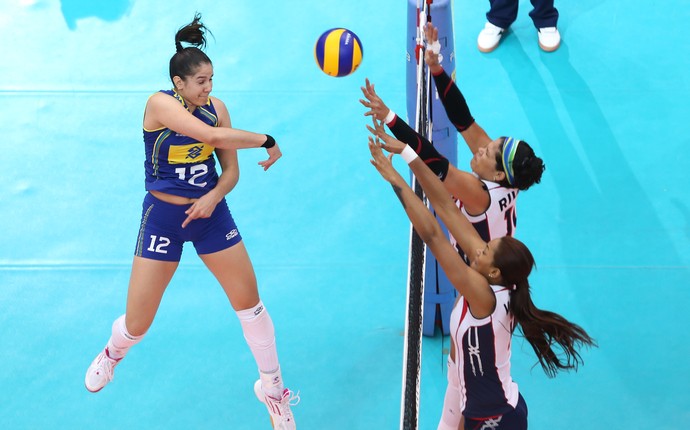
(439, 294)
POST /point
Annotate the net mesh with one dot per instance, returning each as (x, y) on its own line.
(415, 299)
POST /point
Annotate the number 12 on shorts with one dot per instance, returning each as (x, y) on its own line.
(158, 244)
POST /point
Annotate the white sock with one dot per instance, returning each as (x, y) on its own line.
(260, 336)
(272, 384)
(120, 341)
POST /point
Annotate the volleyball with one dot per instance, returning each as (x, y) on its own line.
(338, 52)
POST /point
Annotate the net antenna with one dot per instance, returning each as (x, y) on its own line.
(412, 354)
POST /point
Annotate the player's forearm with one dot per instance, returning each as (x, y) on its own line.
(232, 138)
(226, 183)
(453, 101)
(230, 173)
(422, 220)
(425, 149)
(445, 208)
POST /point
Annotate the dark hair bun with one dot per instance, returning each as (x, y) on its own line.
(527, 166)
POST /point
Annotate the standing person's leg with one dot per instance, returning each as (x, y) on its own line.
(148, 281)
(500, 16)
(545, 18)
(544, 13)
(234, 271)
(502, 12)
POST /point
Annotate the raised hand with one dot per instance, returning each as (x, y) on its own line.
(431, 56)
(377, 108)
(389, 143)
(382, 163)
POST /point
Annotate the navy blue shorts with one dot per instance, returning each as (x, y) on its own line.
(161, 235)
(513, 420)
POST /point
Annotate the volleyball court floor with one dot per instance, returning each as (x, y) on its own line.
(608, 225)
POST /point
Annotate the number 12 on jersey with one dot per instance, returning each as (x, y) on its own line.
(196, 171)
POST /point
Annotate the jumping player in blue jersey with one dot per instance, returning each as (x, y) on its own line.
(185, 130)
(494, 301)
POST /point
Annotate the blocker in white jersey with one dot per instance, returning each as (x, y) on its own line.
(494, 301)
(499, 219)
(482, 357)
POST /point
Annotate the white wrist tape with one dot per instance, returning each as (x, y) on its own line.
(390, 117)
(436, 49)
(408, 154)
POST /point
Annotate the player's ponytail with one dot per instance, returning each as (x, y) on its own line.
(544, 330)
(186, 59)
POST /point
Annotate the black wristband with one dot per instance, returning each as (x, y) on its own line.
(269, 143)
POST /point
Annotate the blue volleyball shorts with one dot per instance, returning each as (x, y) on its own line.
(161, 236)
(513, 420)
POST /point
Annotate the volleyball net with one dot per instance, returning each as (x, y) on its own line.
(412, 349)
(429, 294)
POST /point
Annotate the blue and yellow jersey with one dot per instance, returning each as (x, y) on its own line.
(177, 164)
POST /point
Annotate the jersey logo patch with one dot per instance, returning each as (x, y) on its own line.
(474, 351)
(192, 153)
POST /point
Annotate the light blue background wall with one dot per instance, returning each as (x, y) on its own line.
(609, 225)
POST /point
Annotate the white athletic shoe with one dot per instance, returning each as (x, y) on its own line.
(100, 372)
(279, 409)
(549, 38)
(489, 37)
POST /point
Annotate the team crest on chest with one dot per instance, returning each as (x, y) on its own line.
(192, 153)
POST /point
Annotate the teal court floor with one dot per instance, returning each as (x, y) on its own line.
(609, 225)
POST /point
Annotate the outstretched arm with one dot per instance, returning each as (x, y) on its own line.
(165, 111)
(273, 151)
(402, 131)
(461, 229)
(471, 284)
(462, 185)
(453, 101)
(459, 226)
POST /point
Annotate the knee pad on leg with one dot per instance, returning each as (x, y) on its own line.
(259, 333)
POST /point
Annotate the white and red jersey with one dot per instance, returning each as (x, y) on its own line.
(500, 219)
(482, 357)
